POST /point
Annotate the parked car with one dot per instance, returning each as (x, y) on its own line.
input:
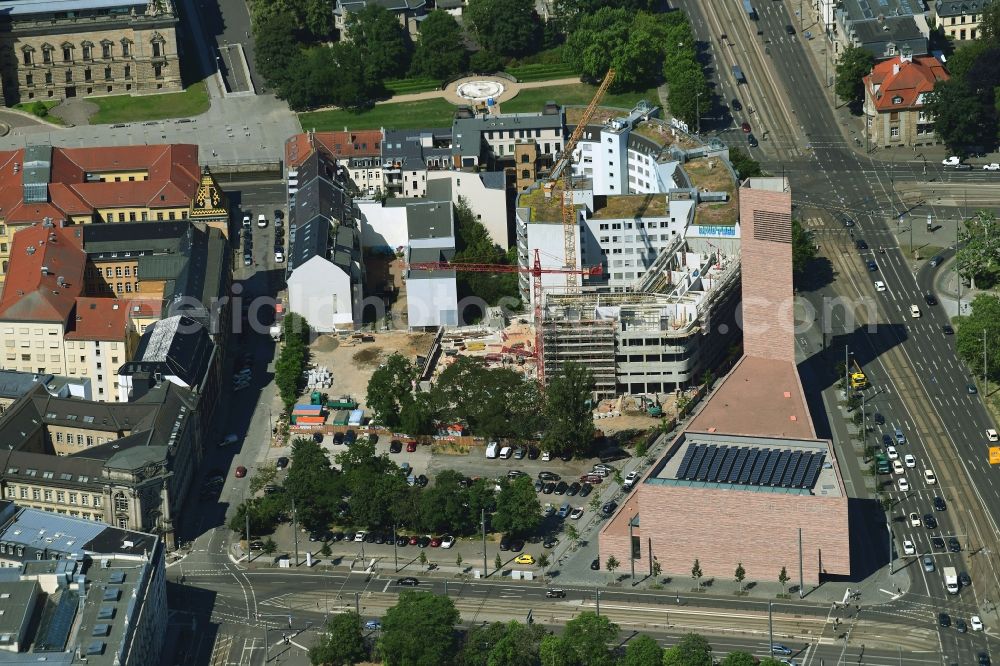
(992, 166)
(952, 160)
(395, 446)
(585, 489)
(281, 463)
(609, 508)
(549, 488)
(373, 625)
(595, 565)
(241, 471)
(573, 489)
(548, 476)
(561, 488)
(525, 559)
(576, 513)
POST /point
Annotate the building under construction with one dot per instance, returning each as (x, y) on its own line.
(677, 324)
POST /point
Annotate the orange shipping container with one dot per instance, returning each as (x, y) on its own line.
(310, 419)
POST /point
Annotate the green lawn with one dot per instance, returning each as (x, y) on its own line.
(126, 108)
(580, 94)
(49, 104)
(439, 113)
(540, 72)
(404, 115)
(408, 86)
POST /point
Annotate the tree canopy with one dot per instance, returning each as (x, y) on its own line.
(978, 257)
(506, 27)
(984, 316)
(642, 651)
(441, 51)
(381, 43)
(292, 359)
(518, 510)
(568, 410)
(584, 642)
(855, 63)
(633, 43)
(389, 388)
(419, 630)
(475, 245)
(502, 644)
(690, 650)
(374, 485)
(312, 484)
(341, 642)
(803, 248)
(494, 402)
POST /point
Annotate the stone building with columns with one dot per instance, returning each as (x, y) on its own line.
(56, 49)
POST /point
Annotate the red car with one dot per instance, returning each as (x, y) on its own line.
(414, 540)
(592, 478)
(746, 128)
(241, 471)
(435, 542)
(411, 447)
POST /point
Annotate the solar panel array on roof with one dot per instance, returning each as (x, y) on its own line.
(750, 466)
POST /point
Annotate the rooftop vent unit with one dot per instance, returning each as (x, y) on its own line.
(31, 249)
(45, 270)
(61, 281)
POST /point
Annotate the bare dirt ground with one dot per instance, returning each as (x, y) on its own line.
(352, 363)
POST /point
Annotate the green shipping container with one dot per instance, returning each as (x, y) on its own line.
(341, 418)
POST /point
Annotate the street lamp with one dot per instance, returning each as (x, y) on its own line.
(697, 111)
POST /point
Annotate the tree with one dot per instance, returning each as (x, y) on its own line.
(587, 636)
(984, 317)
(419, 629)
(783, 579)
(697, 573)
(612, 564)
(633, 43)
(276, 49)
(374, 485)
(855, 63)
(739, 659)
(389, 388)
(657, 568)
(292, 359)
(498, 562)
(978, 258)
(507, 27)
(458, 560)
(264, 513)
(989, 24)
(494, 402)
(444, 507)
(741, 575)
(380, 41)
(961, 118)
(568, 410)
(314, 486)
(502, 644)
(340, 643)
(745, 165)
(422, 558)
(572, 533)
(270, 547)
(264, 475)
(485, 61)
(803, 249)
(475, 245)
(518, 509)
(441, 51)
(417, 415)
(556, 651)
(691, 650)
(642, 651)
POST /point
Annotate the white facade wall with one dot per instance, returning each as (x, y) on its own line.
(103, 360)
(366, 177)
(382, 226)
(322, 293)
(549, 240)
(432, 301)
(489, 205)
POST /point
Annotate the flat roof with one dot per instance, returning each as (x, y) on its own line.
(750, 464)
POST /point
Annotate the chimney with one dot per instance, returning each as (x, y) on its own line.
(895, 68)
(45, 270)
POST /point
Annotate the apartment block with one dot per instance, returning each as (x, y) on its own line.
(960, 19)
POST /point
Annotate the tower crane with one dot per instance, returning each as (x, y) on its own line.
(536, 272)
(559, 169)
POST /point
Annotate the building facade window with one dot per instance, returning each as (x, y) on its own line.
(121, 502)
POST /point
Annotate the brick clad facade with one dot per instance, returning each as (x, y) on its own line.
(759, 405)
(766, 269)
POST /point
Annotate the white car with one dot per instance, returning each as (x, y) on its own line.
(448, 541)
(951, 161)
(897, 467)
(360, 536)
(891, 452)
(903, 485)
(631, 478)
(914, 519)
(976, 623)
(576, 513)
(929, 477)
(879, 285)
(261, 221)
(908, 547)
(909, 460)
(992, 166)
(279, 256)
(246, 221)
(546, 456)
(991, 435)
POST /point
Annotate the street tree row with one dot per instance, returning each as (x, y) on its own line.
(420, 629)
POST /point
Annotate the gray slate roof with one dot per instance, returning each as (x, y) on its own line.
(961, 7)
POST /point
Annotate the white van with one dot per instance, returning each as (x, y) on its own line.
(261, 221)
(491, 449)
(506, 452)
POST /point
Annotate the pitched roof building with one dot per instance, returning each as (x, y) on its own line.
(960, 19)
(107, 184)
(895, 99)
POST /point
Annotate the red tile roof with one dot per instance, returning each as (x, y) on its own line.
(903, 79)
(173, 179)
(98, 319)
(338, 145)
(29, 294)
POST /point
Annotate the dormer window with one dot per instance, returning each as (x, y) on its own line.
(897, 100)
